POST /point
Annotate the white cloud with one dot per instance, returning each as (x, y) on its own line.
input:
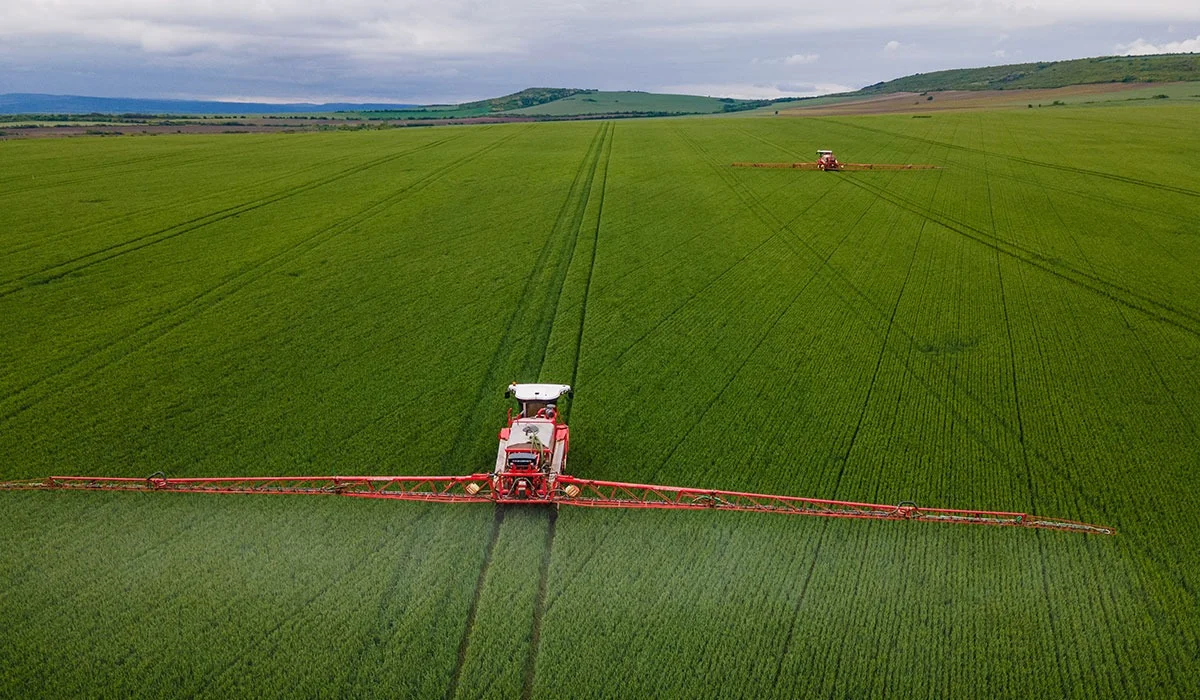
(357, 30)
(1000, 53)
(796, 59)
(1141, 47)
(799, 59)
(756, 91)
(411, 47)
(478, 27)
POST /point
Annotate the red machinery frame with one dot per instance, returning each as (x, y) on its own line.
(565, 490)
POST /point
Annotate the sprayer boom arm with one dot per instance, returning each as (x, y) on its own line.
(566, 490)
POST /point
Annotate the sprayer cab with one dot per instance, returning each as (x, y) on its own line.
(533, 446)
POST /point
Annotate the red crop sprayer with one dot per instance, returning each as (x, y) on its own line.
(529, 470)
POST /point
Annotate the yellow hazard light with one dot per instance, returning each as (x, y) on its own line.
(472, 488)
(571, 490)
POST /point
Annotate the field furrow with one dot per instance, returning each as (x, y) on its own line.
(1016, 330)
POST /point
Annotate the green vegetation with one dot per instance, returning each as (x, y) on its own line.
(525, 98)
(1174, 91)
(1019, 330)
(630, 103)
(1051, 74)
(558, 103)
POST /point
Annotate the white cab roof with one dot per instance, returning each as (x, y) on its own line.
(538, 392)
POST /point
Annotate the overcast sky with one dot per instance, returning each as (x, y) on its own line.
(457, 50)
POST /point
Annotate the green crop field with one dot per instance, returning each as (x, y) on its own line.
(1017, 330)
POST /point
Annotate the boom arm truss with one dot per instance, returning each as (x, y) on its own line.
(567, 490)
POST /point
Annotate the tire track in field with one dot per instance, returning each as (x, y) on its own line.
(685, 302)
(473, 607)
(887, 336)
(1042, 187)
(300, 609)
(522, 346)
(1051, 615)
(961, 414)
(587, 291)
(891, 321)
(712, 227)
(768, 218)
(883, 348)
(964, 416)
(46, 181)
(74, 170)
(93, 225)
(1083, 194)
(791, 633)
(162, 324)
(1171, 575)
(603, 537)
(454, 463)
(754, 204)
(70, 169)
(1150, 306)
(78, 263)
(55, 271)
(381, 634)
(1026, 161)
(540, 604)
(219, 215)
(770, 327)
(505, 358)
(52, 607)
(575, 226)
(539, 609)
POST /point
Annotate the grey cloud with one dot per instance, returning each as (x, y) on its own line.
(460, 49)
(1141, 47)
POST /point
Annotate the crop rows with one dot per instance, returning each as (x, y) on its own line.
(1018, 330)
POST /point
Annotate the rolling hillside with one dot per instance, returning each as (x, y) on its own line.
(568, 103)
(1049, 74)
(32, 103)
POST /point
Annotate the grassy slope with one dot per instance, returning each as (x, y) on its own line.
(525, 98)
(1189, 92)
(989, 334)
(1104, 69)
(618, 102)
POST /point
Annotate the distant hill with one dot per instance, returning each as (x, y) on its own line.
(29, 103)
(597, 102)
(538, 103)
(1050, 74)
(526, 98)
(559, 103)
(569, 103)
(480, 108)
